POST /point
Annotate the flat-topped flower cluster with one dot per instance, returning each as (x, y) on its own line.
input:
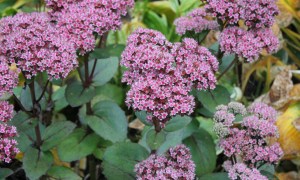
(162, 74)
(175, 164)
(250, 141)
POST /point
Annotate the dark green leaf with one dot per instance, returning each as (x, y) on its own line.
(62, 173)
(172, 139)
(119, 160)
(55, 133)
(177, 122)
(203, 151)
(36, 163)
(77, 145)
(154, 139)
(109, 51)
(215, 176)
(142, 116)
(109, 121)
(211, 99)
(77, 95)
(154, 21)
(109, 92)
(59, 99)
(104, 70)
(4, 172)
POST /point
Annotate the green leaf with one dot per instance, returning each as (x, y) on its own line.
(104, 70)
(172, 139)
(211, 99)
(77, 145)
(25, 97)
(154, 21)
(119, 160)
(109, 121)
(55, 133)
(268, 170)
(226, 61)
(154, 139)
(5, 172)
(23, 121)
(142, 116)
(215, 176)
(36, 163)
(109, 92)
(203, 151)
(59, 99)
(60, 172)
(177, 122)
(77, 95)
(107, 52)
(187, 5)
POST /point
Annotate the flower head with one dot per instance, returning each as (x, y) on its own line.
(35, 45)
(195, 21)
(241, 171)
(8, 78)
(176, 164)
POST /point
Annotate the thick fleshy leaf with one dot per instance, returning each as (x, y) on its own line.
(36, 163)
(109, 51)
(177, 122)
(55, 133)
(77, 145)
(109, 121)
(4, 172)
(63, 173)
(119, 160)
(154, 139)
(76, 94)
(203, 151)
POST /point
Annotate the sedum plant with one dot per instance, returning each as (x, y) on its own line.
(63, 103)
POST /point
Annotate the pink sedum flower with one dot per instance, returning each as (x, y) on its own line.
(195, 21)
(162, 74)
(175, 164)
(8, 146)
(250, 141)
(241, 171)
(35, 45)
(248, 44)
(9, 79)
(79, 20)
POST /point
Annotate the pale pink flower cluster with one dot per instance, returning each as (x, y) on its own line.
(8, 146)
(79, 20)
(8, 78)
(241, 171)
(255, 13)
(35, 45)
(248, 44)
(162, 74)
(195, 21)
(175, 164)
(250, 141)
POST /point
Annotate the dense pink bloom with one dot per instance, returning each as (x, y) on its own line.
(6, 111)
(8, 78)
(35, 45)
(8, 148)
(255, 13)
(176, 164)
(195, 21)
(241, 171)
(250, 141)
(80, 19)
(162, 74)
(248, 44)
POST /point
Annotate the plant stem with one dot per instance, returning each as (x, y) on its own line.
(44, 90)
(92, 167)
(36, 113)
(156, 125)
(228, 68)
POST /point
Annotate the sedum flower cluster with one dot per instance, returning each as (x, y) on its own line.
(35, 45)
(8, 146)
(195, 21)
(78, 20)
(176, 164)
(241, 171)
(162, 74)
(250, 142)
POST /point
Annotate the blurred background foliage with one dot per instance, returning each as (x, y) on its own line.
(275, 79)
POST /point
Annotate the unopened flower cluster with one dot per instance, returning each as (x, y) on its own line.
(78, 20)
(250, 141)
(176, 164)
(162, 74)
(8, 145)
(195, 21)
(35, 45)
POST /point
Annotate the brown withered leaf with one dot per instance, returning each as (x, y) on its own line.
(292, 175)
(136, 124)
